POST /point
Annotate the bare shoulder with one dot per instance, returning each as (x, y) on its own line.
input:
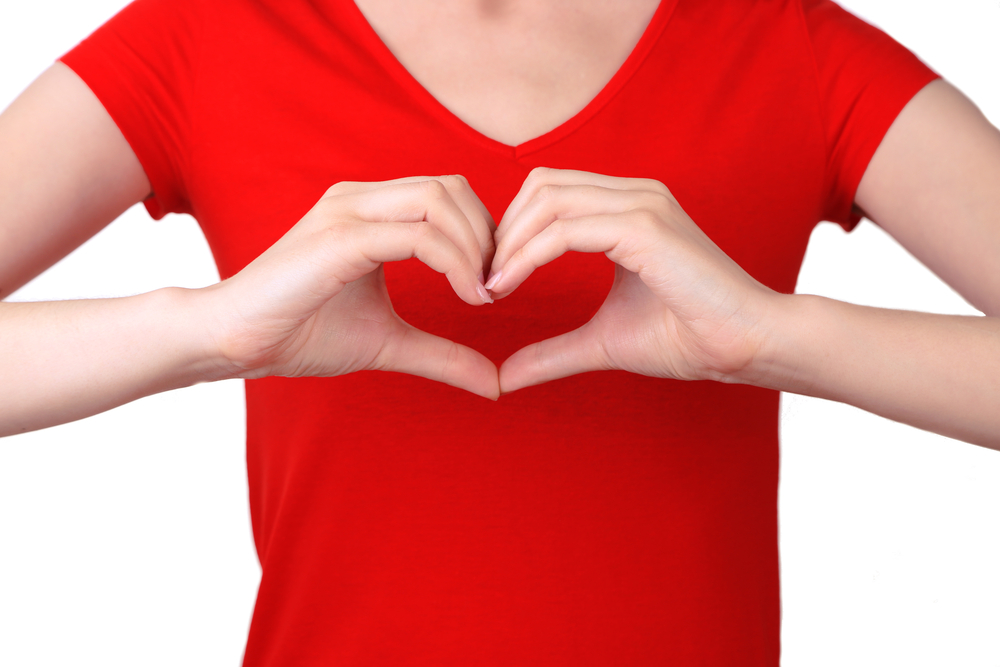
(65, 172)
(934, 185)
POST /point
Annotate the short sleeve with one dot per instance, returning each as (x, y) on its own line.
(865, 79)
(141, 65)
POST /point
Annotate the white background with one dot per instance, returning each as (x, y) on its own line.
(125, 538)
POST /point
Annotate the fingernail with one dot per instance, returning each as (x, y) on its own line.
(494, 280)
(483, 294)
(481, 277)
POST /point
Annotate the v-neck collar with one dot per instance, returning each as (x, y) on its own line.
(635, 59)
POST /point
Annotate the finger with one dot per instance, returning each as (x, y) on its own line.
(476, 215)
(569, 354)
(410, 350)
(475, 211)
(358, 187)
(542, 176)
(358, 248)
(554, 202)
(624, 237)
(428, 201)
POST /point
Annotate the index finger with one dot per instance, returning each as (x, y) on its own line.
(542, 176)
(464, 197)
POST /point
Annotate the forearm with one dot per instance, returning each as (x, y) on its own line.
(62, 361)
(937, 372)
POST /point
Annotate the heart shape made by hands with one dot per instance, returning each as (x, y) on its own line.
(647, 292)
(557, 298)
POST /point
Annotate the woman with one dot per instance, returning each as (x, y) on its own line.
(516, 375)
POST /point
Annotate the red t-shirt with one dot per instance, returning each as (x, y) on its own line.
(603, 519)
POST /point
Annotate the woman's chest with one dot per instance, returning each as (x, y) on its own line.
(730, 128)
(511, 70)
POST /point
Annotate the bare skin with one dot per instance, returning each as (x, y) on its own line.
(511, 69)
(933, 184)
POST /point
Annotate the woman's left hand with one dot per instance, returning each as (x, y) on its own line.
(679, 306)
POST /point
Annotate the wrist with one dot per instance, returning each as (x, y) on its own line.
(235, 346)
(201, 331)
(783, 338)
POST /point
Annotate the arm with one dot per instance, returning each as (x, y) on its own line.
(67, 171)
(681, 308)
(933, 184)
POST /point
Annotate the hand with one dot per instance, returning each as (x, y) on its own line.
(679, 306)
(315, 303)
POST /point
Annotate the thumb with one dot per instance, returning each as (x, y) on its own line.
(410, 350)
(571, 353)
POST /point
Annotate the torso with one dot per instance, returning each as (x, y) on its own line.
(512, 70)
(605, 518)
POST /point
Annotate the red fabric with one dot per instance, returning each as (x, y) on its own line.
(604, 519)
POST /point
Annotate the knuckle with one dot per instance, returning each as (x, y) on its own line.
(646, 220)
(548, 191)
(338, 235)
(456, 181)
(327, 210)
(539, 173)
(657, 186)
(653, 201)
(337, 189)
(424, 233)
(434, 189)
(452, 357)
(559, 227)
(525, 256)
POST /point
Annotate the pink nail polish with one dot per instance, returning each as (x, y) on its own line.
(483, 294)
(494, 280)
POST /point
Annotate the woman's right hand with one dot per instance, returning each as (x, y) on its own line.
(315, 303)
